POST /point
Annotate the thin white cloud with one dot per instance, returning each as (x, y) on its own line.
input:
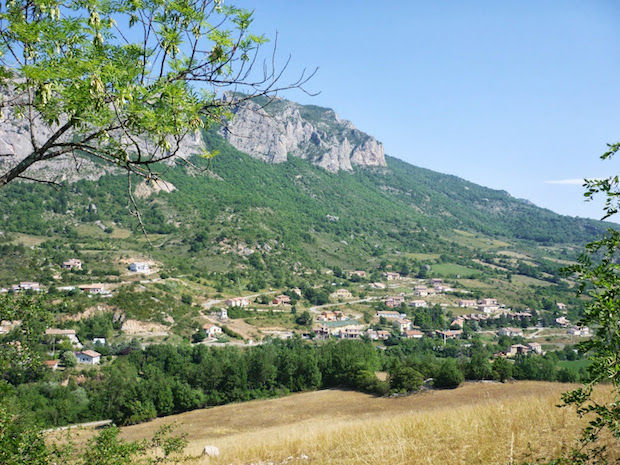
(572, 182)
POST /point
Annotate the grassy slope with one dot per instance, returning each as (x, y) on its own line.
(474, 424)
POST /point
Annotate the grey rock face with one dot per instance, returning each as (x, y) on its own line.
(283, 128)
(16, 144)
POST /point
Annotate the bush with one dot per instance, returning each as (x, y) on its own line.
(68, 359)
(405, 379)
(449, 376)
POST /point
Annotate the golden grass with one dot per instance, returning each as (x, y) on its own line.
(478, 423)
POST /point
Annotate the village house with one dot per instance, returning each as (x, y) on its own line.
(449, 334)
(223, 314)
(440, 288)
(535, 347)
(467, 303)
(484, 308)
(418, 304)
(72, 264)
(361, 274)
(394, 301)
(52, 364)
(436, 281)
(422, 291)
(341, 294)
(331, 316)
(350, 333)
(413, 334)
(392, 276)
(65, 288)
(402, 324)
(211, 330)
(335, 328)
(457, 323)
(582, 331)
(99, 340)
(94, 289)
(388, 314)
(238, 302)
(378, 334)
(562, 321)
(26, 286)
(510, 332)
(64, 333)
(139, 267)
(489, 302)
(281, 300)
(88, 357)
(377, 285)
(321, 332)
(29, 286)
(517, 349)
(561, 306)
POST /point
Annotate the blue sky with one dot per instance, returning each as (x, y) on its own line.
(508, 94)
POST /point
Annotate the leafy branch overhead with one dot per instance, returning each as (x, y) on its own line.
(610, 186)
(598, 272)
(125, 82)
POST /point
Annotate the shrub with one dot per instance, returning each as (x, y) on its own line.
(449, 376)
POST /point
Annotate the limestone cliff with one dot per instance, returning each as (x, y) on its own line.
(271, 131)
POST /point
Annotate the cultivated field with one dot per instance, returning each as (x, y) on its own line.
(478, 423)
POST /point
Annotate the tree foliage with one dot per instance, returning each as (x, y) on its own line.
(598, 272)
(124, 82)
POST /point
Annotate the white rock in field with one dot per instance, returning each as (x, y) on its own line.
(211, 451)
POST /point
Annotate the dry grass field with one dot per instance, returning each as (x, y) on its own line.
(478, 423)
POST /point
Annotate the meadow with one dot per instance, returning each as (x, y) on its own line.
(478, 423)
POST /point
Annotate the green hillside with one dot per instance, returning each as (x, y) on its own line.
(283, 211)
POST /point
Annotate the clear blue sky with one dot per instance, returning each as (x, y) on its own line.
(508, 94)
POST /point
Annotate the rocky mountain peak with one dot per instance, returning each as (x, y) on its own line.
(273, 130)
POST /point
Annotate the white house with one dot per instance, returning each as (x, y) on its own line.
(413, 334)
(94, 289)
(68, 333)
(377, 335)
(392, 276)
(510, 332)
(139, 267)
(238, 302)
(212, 330)
(402, 324)
(89, 357)
(341, 294)
(484, 308)
(72, 264)
(350, 333)
(99, 340)
(535, 347)
(417, 303)
(578, 331)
